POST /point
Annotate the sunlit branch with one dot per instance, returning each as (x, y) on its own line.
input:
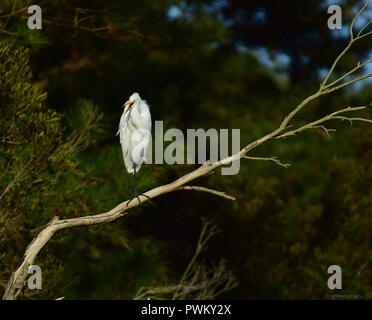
(215, 192)
(333, 116)
(352, 40)
(272, 159)
(359, 66)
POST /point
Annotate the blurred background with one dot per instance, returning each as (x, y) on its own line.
(199, 64)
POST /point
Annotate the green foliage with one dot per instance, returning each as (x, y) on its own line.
(93, 264)
(30, 155)
(30, 136)
(41, 177)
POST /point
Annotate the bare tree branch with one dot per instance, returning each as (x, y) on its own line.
(197, 282)
(272, 159)
(332, 116)
(12, 142)
(359, 66)
(217, 193)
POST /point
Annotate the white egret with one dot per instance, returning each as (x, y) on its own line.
(135, 135)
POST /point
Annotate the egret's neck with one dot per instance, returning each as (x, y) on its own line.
(138, 107)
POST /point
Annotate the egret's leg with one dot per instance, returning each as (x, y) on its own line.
(135, 189)
(135, 182)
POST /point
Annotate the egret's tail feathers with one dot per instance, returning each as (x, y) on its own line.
(130, 168)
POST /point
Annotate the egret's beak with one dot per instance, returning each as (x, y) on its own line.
(130, 103)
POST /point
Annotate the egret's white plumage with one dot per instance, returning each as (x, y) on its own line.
(135, 132)
(135, 135)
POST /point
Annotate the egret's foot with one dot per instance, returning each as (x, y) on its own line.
(137, 197)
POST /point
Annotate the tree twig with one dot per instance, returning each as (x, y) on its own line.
(272, 159)
(204, 189)
(332, 116)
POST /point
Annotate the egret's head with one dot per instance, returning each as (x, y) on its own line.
(134, 99)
